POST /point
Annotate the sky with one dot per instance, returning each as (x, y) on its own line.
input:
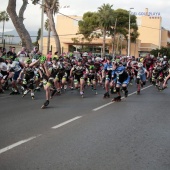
(79, 7)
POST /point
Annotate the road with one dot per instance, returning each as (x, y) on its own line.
(89, 133)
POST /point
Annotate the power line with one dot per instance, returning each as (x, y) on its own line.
(60, 13)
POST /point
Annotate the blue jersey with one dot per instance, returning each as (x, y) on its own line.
(120, 74)
(108, 67)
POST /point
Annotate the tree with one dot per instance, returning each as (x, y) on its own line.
(123, 24)
(51, 7)
(47, 27)
(38, 37)
(88, 24)
(18, 21)
(110, 22)
(163, 51)
(106, 20)
(3, 17)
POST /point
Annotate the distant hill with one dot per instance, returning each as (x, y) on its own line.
(12, 37)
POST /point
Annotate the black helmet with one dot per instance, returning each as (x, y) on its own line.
(79, 60)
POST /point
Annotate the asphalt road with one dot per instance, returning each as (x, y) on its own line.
(89, 133)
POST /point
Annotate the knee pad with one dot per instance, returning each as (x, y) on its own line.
(117, 89)
(124, 88)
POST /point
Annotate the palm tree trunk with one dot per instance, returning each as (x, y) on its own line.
(104, 42)
(18, 22)
(3, 31)
(54, 32)
(48, 41)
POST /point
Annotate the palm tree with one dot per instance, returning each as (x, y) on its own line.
(51, 7)
(18, 21)
(106, 20)
(47, 27)
(3, 17)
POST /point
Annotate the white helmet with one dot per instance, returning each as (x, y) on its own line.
(140, 64)
(98, 59)
(165, 57)
(85, 54)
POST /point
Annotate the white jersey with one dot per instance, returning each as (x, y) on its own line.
(15, 66)
(22, 54)
(3, 66)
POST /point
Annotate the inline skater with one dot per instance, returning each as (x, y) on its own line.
(141, 76)
(77, 74)
(106, 76)
(121, 77)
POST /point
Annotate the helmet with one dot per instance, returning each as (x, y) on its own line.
(161, 59)
(55, 57)
(28, 61)
(16, 59)
(4, 57)
(141, 60)
(165, 57)
(129, 57)
(42, 59)
(89, 58)
(98, 59)
(140, 64)
(91, 67)
(79, 60)
(85, 54)
(152, 56)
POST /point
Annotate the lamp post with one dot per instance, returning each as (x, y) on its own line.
(42, 26)
(129, 34)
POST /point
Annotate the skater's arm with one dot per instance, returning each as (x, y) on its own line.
(48, 73)
(34, 63)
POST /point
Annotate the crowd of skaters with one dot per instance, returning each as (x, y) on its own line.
(27, 72)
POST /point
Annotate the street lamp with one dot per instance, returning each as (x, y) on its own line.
(129, 33)
(42, 26)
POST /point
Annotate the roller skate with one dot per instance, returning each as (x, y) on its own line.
(37, 89)
(106, 95)
(159, 88)
(138, 92)
(116, 99)
(25, 93)
(22, 89)
(46, 103)
(58, 92)
(126, 93)
(95, 91)
(65, 87)
(14, 92)
(32, 96)
(82, 94)
(1, 91)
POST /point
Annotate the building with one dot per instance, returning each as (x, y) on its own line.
(152, 36)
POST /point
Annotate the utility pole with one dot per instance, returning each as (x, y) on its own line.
(42, 26)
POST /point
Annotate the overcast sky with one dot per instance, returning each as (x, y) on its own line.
(79, 7)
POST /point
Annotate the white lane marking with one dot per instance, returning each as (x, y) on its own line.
(100, 107)
(66, 122)
(17, 144)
